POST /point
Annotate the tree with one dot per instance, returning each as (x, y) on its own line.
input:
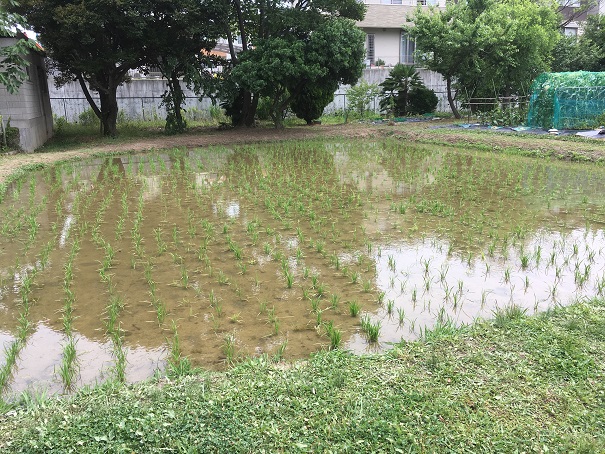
(294, 29)
(360, 96)
(12, 58)
(98, 42)
(181, 35)
(396, 88)
(310, 103)
(486, 46)
(573, 53)
(593, 41)
(93, 42)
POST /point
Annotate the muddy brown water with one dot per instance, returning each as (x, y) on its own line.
(202, 244)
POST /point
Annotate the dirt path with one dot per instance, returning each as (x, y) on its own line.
(589, 150)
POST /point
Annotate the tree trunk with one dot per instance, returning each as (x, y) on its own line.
(109, 110)
(450, 98)
(93, 104)
(248, 112)
(177, 97)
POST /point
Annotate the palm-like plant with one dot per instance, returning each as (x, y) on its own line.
(396, 88)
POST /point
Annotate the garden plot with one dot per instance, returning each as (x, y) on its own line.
(118, 267)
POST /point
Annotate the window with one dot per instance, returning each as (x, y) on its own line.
(391, 2)
(408, 47)
(371, 51)
(570, 31)
(570, 3)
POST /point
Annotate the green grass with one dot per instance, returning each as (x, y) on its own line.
(535, 385)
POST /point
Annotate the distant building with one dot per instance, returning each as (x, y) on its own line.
(382, 24)
(29, 109)
(575, 13)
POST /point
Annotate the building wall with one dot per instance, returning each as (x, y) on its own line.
(387, 44)
(29, 109)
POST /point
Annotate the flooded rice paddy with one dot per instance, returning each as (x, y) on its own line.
(115, 268)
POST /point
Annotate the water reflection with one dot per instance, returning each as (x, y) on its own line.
(244, 251)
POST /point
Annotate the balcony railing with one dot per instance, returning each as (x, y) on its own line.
(406, 2)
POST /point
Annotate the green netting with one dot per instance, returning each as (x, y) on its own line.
(569, 100)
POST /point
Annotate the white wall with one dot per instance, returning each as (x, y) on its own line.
(431, 79)
(387, 44)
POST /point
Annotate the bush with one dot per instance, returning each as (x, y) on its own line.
(360, 96)
(88, 118)
(11, 135)
(59, 123)
(422, 100)
(512, 116)
(311, 102)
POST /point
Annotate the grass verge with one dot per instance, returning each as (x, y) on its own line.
(523, 384)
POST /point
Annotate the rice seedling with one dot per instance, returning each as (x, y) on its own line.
(279, 353)
(334, 334)
(367, 286)
(320, 289)
(229, 347)
(289, 276)
(371, 330)
(334, 301)
(354, 308)
(222, 278)
(69, 365)
(184, 277)
(401, 315)
(390, 305)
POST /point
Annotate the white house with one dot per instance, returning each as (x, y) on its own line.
(29, 109)
(385, 39)
(387, 42)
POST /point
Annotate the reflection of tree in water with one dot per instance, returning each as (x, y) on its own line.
(111, 168)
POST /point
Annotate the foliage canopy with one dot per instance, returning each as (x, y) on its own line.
(486, 47)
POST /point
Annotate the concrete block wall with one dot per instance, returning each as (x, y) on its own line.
(431, 79)
(29, 109)
(141, 98)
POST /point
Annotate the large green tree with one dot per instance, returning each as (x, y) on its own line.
(585, 52)
(180, 36)
(97, 42)
(93, 42)
(484, 47)
(288, 46)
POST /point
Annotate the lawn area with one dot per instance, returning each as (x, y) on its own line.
(515, 384)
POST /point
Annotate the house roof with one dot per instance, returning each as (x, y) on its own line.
(386, 16)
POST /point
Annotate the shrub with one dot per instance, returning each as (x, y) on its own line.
(88, 118)
(59, 123)
(422, 100)
(9, 136)
(360, 96)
